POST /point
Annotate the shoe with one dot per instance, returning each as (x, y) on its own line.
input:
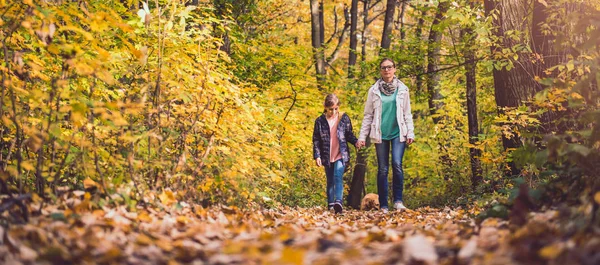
(384, 210)
(337, 207)
(399, 206)
(330, 207)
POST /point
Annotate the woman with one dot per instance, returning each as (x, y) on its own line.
(331, 135)
(388, 121)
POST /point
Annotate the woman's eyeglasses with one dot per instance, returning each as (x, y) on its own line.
(387, 67)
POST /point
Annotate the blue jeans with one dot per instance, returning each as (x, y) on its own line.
(335, 186)
(383, 164)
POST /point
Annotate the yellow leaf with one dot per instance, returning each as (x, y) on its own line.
(551, 251)
(144, 217)
(182, 219)
(167, 197)
(27, 165)
(597, 197)
(143, 240)
(89, 183)
(164, 245)
(98, 213)
(292, 256)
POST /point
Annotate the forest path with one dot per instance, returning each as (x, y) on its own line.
(183, 233)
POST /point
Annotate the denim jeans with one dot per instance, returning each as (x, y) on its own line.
(383, 164)
(335, 186)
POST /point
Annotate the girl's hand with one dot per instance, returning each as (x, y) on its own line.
(410, 141)
(360, 144)
(318, 161)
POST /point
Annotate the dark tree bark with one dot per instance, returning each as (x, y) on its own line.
(547, 55)
(357, 185)
(316, 33)
(510, 86)
(420, 68)
(433, 81)
(321, 23)
(401, 19)
(388, 25)
(353, 38)
(433, 60)
(363, 38)
(473, 124)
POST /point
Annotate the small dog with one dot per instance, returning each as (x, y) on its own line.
(370, 202)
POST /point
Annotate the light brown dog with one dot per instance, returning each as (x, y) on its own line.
(370, 202)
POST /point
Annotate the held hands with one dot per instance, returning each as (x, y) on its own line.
(410, 141)
(359, 144)
(318, 161)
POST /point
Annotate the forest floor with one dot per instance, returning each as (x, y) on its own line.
(78, 232)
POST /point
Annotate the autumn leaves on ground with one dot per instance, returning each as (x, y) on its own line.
(79, 231)
(172, 132)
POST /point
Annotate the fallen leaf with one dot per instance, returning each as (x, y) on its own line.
(419, 249)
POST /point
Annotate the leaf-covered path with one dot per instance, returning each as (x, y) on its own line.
(225, 235)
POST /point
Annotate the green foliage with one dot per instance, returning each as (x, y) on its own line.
(564, 154)
(138, 101)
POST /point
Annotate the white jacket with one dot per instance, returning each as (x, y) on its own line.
(371, 124)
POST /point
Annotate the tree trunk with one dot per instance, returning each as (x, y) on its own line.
(433, 59)
(420, 68)
(401, 20)
(510, 86)
(321, 23)
(433, 81)
(473, 124)
(357, 185)
(220, 8)
(388, 24)
(363, 38)
(547, 56)
(353, 38)
(316, 33)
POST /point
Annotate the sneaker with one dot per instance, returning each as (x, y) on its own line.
(384, 210)
(399, 206)
(337, 207)
(330, 207)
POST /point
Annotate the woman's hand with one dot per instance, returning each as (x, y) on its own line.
(409, 141)
(318, 161)
(360, 144)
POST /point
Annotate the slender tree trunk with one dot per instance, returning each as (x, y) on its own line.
(420, 68)
(364, 29)
(388, 25)
(353, 38)
(318, 52)
(433, 81)
(321, 23)
(401, 20)
(433, 59)
(471, 85)
(220, 12)
(357, 185)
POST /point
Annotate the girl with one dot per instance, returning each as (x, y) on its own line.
(332, 132)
